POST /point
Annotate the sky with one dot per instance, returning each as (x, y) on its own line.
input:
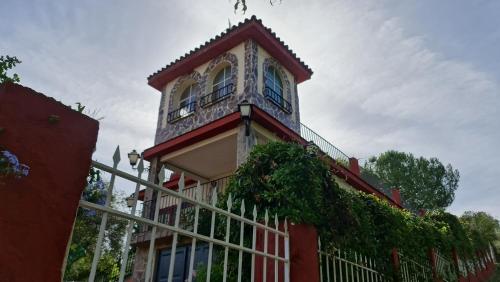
(415, 76)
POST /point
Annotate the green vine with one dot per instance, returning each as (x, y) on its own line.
(298, 185)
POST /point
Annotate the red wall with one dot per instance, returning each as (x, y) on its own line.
(304, 262)
(37, 212)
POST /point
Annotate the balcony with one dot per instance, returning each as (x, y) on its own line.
(168, 206)
(325, 146)
(278, 100)
(181, 112)
(217, 96)
(342, 158)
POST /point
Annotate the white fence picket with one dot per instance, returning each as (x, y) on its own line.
(198, 201)
(104, 220)
(346, 266)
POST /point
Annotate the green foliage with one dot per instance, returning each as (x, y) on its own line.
(7, 63)
(424, 183)
(244, 7)
(296, 184)
(80, 107)
(481, 227)
(85, 233)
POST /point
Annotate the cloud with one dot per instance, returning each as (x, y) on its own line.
(383, 79)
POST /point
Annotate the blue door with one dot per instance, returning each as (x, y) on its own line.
(181, 265)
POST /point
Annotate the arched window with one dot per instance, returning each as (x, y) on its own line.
(186, 101)
(222, 87)
(274, 89)
(222, 79)
(273, 81)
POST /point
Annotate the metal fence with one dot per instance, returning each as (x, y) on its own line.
(325, 146)
(233, 219)
(337, 265)
(445, 269)
(413, 271)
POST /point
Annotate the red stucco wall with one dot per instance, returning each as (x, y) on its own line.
(304, 262)
(37, 211)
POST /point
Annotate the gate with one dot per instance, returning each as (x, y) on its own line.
(232, 219)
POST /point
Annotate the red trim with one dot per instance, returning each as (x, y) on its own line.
(263, 118)
(223, 124)
(360, 184)
(252, 30)
(266, 120)
(142, 193)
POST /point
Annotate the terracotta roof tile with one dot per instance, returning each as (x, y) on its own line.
(227, 32)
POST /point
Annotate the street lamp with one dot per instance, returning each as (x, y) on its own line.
(130, 200)
(133, 157)
(245, 109)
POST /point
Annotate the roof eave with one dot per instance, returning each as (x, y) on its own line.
(252, 30)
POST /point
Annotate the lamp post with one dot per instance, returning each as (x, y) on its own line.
(133, 157)
(130, 200)
(245, 109)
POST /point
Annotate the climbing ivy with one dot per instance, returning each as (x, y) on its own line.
(296, 184)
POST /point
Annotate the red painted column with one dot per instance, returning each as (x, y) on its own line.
(354, 166)
(432, 258)
(38, 211)
(396, 195)
(304, 262)
(396, 264)
(454, 256)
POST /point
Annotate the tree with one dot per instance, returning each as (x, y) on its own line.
(244, 7)
(424, 183)
(7, 63)
(481, 227)
(85, 234)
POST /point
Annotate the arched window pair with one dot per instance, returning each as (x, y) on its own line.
(274, 89)
(222, 87)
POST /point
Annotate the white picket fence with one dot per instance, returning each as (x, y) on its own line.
(281, 237)
(337, 265)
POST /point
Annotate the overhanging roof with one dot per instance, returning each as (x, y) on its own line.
(249, 29)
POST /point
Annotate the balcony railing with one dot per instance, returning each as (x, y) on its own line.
(339, 156)
(168, 204)
(217, 96)
(181, 112)
(277, 99)
(325, 146)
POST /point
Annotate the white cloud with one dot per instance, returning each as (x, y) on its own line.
(378, 84)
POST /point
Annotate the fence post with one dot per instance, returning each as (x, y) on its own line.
(432, 258)
(454, 255)
(396, 264)
(304, 263)
(302, 253)
(354, 166)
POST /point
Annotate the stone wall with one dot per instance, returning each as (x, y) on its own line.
(250, 91)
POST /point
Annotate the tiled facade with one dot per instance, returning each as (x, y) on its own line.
(250, 92)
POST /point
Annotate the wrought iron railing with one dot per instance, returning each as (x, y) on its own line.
(342, 158)
(217, 96)
(168, 203)
(277, 99)
(181, 112)
(325, 146)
